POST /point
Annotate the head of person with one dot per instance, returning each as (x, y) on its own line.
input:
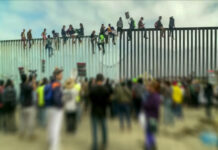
(64, 26)
(142, 18)
(131, 19)
(99, 79)
(167, 83)
(30, 30)
(71, 26)
(9, 83)
(1, 82)
(120, 18)
(140, 81)
(44, 81)
(53, 32)
(58, 74)
(49, 36)
(153, 87)
(23, 30)
(160, 17)
(69, 83)
(93, 32)
(44, 29)
(109, 25)
(81, 25)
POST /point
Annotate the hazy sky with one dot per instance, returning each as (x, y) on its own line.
(52, 14)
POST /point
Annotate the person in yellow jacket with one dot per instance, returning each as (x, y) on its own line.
(41, 103)
(177, 96)
(77, 87)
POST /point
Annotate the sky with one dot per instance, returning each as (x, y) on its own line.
(15, 15)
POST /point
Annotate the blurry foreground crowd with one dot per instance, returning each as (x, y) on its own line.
(46, 103)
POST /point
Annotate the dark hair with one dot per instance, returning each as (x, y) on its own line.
(23, 78)
(1, 82)
(49, 36)
(9, 83)
(44, 81)
(140, 80)
(99, 77)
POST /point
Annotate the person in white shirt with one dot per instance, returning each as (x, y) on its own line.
(69, 98)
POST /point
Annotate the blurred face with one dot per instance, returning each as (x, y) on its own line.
(59, 76)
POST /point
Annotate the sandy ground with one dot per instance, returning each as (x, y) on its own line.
(184, 135)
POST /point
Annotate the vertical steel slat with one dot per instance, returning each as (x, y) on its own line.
(153, 54)
(192, 58)
(164, 59)
(149, 53)
(199, 53)
(160, 56)
(196, 41)
(176, 58)
(184, 48)
(211, 50)
(180, 53)
(168, 57)
(156, 56)
(207, 50)
(215, 42)
(120, 54)
(143, 54)
(188, 52)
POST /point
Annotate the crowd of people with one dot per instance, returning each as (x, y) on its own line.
(46, 102)
(103, 37)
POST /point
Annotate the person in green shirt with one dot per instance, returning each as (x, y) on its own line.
(41, 103)
(101, 42)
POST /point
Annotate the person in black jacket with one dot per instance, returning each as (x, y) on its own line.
(27, 117)
(208, 92)
(9, 103)
(99, 99)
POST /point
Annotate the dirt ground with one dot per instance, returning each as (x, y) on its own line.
(184, 135)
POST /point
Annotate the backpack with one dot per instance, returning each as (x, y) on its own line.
(48, 95)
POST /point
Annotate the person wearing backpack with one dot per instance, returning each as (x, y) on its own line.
(101, 42)
(41, 103)
(9, 103)
(55, 114)
(159, 26)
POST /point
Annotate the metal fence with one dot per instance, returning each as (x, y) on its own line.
(66, 56)
(190, 53)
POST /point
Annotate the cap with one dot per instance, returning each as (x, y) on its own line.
(57, 71)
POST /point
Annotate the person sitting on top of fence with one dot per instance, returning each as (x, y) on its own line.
(101, 42)
(49, 46)
(71, 33)
(93, 41)
(158, 25)
(56, 38)
(110, 31)
(80, 32)
(44, 36)
(23, 38)
(120, 25)
(141, 25)
(30, 38)
(64, 34)
(102, 29)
